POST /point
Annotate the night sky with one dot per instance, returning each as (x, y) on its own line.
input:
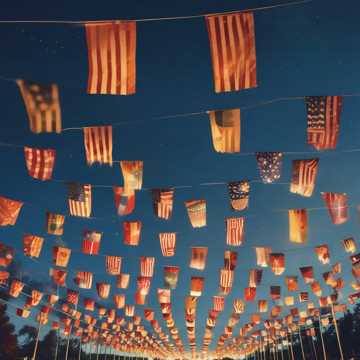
(309, 49)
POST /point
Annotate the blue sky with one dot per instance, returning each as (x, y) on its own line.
(309, 49)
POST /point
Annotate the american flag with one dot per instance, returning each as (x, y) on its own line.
(323, 121)
(277, 263)
(9, 211)
(197, 212)
(72, 296)
(32, 245)
(349, 245)
(263, 256)
(255, 276)
(249, 293)
(112, 57)
(6, 255)
(42, 106)
(79, 199)
(103, 290)
(89, 304)
(234, 231)
(132, 172)
(98, 144)
(163, 202)
(230, 259)
(143, 284)
(218, 303)
(304, 174)
(113, 265)
(316, 288)
(40, 162)
(61, 256)
(167, 243)
(147, 266)
(132, 230)
(337, 206)
(16, 288)
(124, 201)
(129, 310)
(232, 45)
(84, 279)
(91, 242)
(262, 306)
(119, 300)
(303, 296)
(226, 278)
(239, 194)
(275, 292)
(269, 164)
(196, 286)
(122, 281)
(307, 272)
(225, 130)
(171, 274)
(298, 225)
(149, 314)
(323, 253)
(58, 276)
(292, 283)
(198, 257)
(55, 223)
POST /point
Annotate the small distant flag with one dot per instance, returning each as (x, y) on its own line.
(171, 274)
(79, 199)
(337, 206)
(239, 192)
(98, 144)
(40, 162)
(58, 276)
(9, 211)
(6, 255)
(61, 256)
(197, 212)
(91, 242)
(198, 257)
(323, 121)
(103, 290)
(84, 279)
(298, 225)
(304, 174)
(163, 200)
(55, 223)
(132, 230)
(263, 256)
(113, 264)
(112, 57)
(233, 55)
(167, 243)
(32, 245)
(234, 231)
(225, 130)
(42, 106)
(269, 164)
(124, 201)
(147, 264)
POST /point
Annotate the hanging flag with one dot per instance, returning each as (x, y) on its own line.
(16, 288)
(235, 231)
(6, 255)
(307, 273)
(232, 46)
(255, 276)
(277, 263)
(218, 303)
(79, 199)
(42, 106)
(89, 304)
(316, 288)
(119, 300)
(230, 260)
(143, 285)
(84, 279)
(349, 245)
(4, 277)
(163, 200)
(239, 192)
(249, 294)
(226, 280)
(55, 223)
(9, 211)
(149, 314)
(112, 57)
(40, 162)
(337, 206)
(238, 306)
(132, 172)
(298, 225)
(225, 130)
(131, 231)
(72, 296)
(124, 201)
(103, 290)
(196, 286)
(122, 281)
(304, 174)
(198, 258)
(292, 283)
(269, 164)
(263, 256)
(167, 243)
(197, 212)
(323, 253)
(98, 144)
(58, 276)
(32, 245)
(323, 121)
(147, 265)
(91, 242)
(171, 275)
(61, 256)
(129, 310)
(275, 292)
(24, 313)
(113, 265)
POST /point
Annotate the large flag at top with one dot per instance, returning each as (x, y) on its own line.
(225, 130)
(9, 211)
(112, 57)
(323, 121)
(304, 174)
(40, 162)
(79, 199)
(42, 106)
(232, 45)
(98, 144)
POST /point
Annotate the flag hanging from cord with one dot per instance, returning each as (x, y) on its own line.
(58, 276)
(349, 245)
(111, 57)
(124, 201)
(9, 211)
(98, 144)
(42, 106)
(263, 256)
(233, 55)
(91, 242)
(163, 200)
(304, 174)
(239, 192)
(32, 245)
(171, 275)
(269, 164)
(298, 225)
(132, 172)
(292, 283)
(84, 279)
(337, 206)
(40, 162)
(198, 257)
(225, 130)
(55, 223)
(79, 199)
(167, 243)
(323, 121)
(131, 231)
(234, 231)
(113, 264)
(6, 255)
(197, 212)
(61, 256)
(277, 263)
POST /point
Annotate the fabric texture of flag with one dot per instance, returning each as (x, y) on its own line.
(234, 231)
(303, 178)
(198, 258)
(337, 206)
(42, 106)
(239, 192)
(132, 172)
(9, 211)
(292, 283)
(163, 200)
(298, 225)
(32, 245)
(79, 199)
(232, 47)
(323, 121)
(225, 130)
(269, 164)
(84, 279)
(124, 201)
(40, 162)
(197, 212)
(113, 265)
(167, 243)
(131, 232)
(55, 223)
(98, 142)
(147, 265)
(91, 242)
(111, 57)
